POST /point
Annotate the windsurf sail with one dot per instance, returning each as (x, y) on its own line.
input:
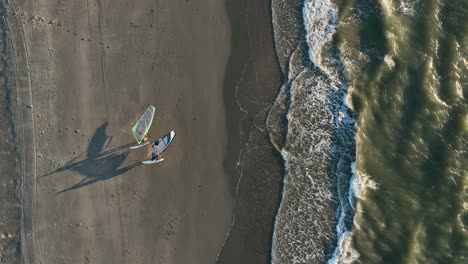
(160, 145)
(142, 126)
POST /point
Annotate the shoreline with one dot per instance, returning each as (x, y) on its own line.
(253, 78)
(251, 82)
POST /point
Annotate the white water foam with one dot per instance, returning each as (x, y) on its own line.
(319, 21)
(402, 7)
(320, 132)
(408, 7)
(360, 184)
(324, 13)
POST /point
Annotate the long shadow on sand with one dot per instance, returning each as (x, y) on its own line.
(98, 164)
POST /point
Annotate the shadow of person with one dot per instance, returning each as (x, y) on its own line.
(101, 176)
(98, 164)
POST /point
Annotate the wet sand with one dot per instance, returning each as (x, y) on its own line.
(83, 73)
(253, 74)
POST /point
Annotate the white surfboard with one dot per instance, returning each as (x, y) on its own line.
(139, 146)
(152, 161)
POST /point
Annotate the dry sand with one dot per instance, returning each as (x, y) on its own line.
(94, 68)
(87, 70)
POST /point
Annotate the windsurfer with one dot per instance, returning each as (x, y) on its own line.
(156, 154)
(146, 138)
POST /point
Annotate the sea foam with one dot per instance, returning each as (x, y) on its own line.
(317, 204)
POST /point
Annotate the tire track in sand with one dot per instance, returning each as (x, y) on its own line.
(27, 127)
(115, 179)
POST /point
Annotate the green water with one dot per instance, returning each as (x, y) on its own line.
(407, 66)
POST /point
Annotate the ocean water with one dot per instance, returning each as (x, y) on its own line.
(372, 124)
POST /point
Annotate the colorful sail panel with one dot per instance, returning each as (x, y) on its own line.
(144, 123)
(160, 145)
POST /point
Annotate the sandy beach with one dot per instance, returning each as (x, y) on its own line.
(308, 131)
(83, 73)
